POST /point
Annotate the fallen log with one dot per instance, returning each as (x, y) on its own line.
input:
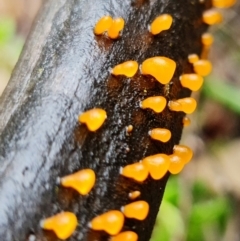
(64, 71)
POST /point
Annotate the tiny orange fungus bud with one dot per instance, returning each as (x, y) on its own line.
(156, 103)
(110, 222)
(82, 181)
(116, 27)
(138, 210)
(162, 22)
(63, 224)
(93, 118)
(103, 25)
(161, 68)
(160, 134)
(128, 68)
(212, 17)
(125, 236)
(192, 58)
(191, 81)
(176, 164)
(207, 39)
(157, 165)
(136, 171)
(129, 128)
(186, 121)
(223, 3)
(184, 152)
(133, 195)
(202, 67)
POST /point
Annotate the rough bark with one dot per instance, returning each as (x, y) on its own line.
(63, 71)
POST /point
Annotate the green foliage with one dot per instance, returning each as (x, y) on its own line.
(223, 93)
(7, 30)
(10, 45)
(204, 219)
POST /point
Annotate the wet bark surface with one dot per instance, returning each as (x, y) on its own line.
(64, 71)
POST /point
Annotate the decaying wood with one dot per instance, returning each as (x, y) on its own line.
(63, 71)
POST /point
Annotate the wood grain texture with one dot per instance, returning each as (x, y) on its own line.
(63, 71)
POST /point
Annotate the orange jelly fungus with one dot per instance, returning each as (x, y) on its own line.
(176, 164)
(63, 224)
(188, 104)
(138, 210)
(174, 105)
(103, 25)
(110, 222)
(128, 68)
(125, 236)
(156, 103)
(191, 81)
(192, 58)
(157, 165)
(133, 195)
(212, 17)
(162, 22)
(93, 118)
(136, 171)
(116, 27)
(184, 152)
(223, 3)
(161, 68)
(82, 181)
(207, 39)
(160, 134)
(202, 67)
(186, 121)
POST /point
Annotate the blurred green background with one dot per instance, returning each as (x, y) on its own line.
(202, 203)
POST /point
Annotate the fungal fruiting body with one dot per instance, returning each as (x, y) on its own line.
(176, 164)
(136, 171)
(115, 28)
(161, 68)
(207, 39)
(186, 121)
(162, 22)
(191, 81)
(82, 181)
(212, 17)
(192, 58)
(110, 222)
(93, 118)
(157, 165)
(135, 194)
(174, 105)
(184, 152)
(63, 224)
(156, 103)
(138, 210)
(202, 67)
(103, 25)
(129, 129)
(128, 68)
(223, 3)
(187, 105)
(160, 134)
(125, 236)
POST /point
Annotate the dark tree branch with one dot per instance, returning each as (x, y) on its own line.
(63, 71)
